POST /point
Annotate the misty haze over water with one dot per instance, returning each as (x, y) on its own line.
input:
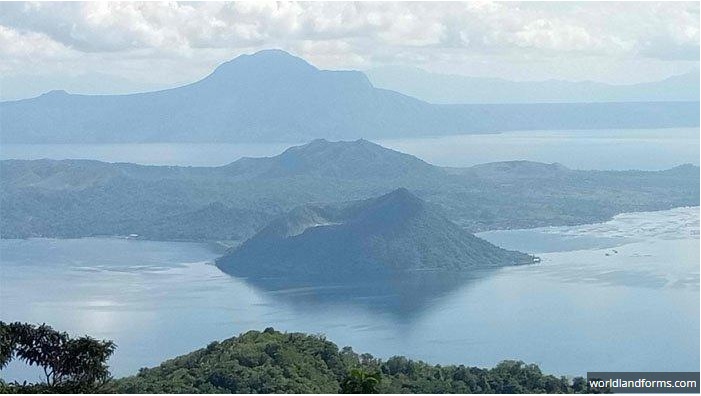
(644, 149)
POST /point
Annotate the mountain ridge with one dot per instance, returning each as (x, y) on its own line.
(459, 89)
(73, 198)
(274, 96)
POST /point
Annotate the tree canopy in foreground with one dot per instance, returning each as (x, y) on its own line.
(257, 362)
(70, 365)
(274, 362)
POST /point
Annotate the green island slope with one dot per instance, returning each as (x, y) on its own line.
(81, 198)
(276, 362)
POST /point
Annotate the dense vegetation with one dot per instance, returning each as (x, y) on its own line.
(76, 198)
(70, 365)
(271, 361)
(257, 362)
(390, 234)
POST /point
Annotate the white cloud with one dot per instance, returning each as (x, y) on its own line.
(21, 50)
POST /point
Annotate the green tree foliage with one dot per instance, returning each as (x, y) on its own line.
(271, 362)
(69, 364)
(258, 362)
(360, 381)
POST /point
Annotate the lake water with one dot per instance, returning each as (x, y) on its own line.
(647, 149)
(617, 296)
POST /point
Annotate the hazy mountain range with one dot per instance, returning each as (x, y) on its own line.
(76, 198)
(452, 89)
(274, 96)
(391, 233)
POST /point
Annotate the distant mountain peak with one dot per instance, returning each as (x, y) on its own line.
(56, 94)
(269, 57)
(276, 56)
(273, 96)
(322, 143)
(273, 52)
(266, 62)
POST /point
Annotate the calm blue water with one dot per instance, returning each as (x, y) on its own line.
(605, 149)
(616, 296)
(648, 149)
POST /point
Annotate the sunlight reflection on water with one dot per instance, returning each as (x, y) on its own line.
(631, 303)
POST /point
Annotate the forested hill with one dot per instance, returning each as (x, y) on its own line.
(275, 362)
(274, 96)
(77, 198)
(389, 234)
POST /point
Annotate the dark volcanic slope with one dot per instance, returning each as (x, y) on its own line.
(394, 232)
(274, 96)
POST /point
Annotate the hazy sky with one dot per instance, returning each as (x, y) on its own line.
(121, 47)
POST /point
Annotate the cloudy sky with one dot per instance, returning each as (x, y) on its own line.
(122, 47)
